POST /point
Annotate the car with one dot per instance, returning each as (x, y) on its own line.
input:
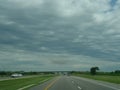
(16, 75)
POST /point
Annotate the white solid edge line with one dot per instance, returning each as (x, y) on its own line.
(25, 87)
(45, 80)
(108, 86)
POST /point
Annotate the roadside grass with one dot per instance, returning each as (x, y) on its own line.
(107, 78)
(15, 84)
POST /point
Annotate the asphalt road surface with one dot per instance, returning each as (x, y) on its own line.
(75, 83)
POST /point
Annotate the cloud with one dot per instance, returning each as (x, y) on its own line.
(58, 35)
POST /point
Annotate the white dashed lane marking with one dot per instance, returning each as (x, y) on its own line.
(79, 88)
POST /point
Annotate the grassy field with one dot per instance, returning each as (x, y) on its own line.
(15, 84)
(107, 78)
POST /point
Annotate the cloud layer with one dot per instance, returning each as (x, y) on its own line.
(59, 35)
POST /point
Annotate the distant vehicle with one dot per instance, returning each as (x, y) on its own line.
(16, 75)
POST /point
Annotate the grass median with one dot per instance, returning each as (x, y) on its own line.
(15, 84)
(107, 78)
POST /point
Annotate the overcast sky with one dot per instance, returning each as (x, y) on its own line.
(52, 35)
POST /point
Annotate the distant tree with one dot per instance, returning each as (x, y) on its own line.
(2, 73)
(93, 70)
(117, 72)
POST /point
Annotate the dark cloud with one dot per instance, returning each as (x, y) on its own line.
(60, 62)
(61, 30)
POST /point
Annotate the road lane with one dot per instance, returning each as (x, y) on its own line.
(73, 83)
(96, 82)
(88, 84)
(64, 83)
(59, 83)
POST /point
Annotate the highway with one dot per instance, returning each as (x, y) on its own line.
(9, 78)
(75, 83)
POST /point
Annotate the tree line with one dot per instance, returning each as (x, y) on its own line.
(93, 71)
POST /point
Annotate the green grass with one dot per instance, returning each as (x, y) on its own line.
(15, 84)
(107, 78)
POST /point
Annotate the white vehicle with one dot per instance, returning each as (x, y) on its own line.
(16, 75)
